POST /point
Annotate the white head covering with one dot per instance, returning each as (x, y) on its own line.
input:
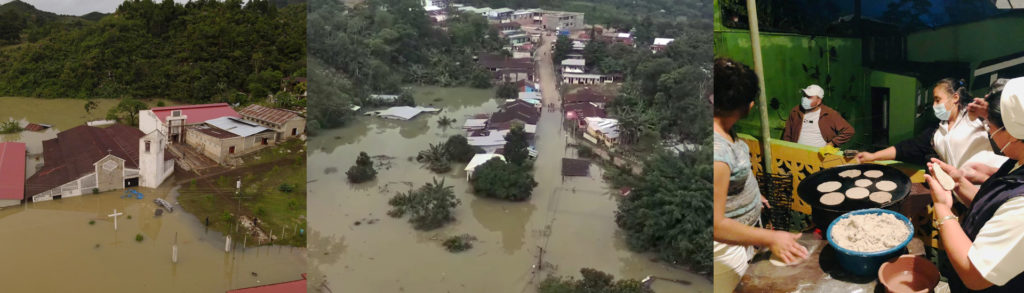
(814, 91)
(1011, 104)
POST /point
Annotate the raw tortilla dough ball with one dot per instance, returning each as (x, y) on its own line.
(857, 193)
(880, 197)
(849, 173)
(829, 186)
(886, 185)
(873, 173)
(863, 183)
(832, 199)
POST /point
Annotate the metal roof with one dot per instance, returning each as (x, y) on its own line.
(662, 41)
(268, 114)
(196, 113)
(237, 126)
(574, 62)
(12, 170)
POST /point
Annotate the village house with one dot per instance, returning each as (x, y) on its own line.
(226, 138)
(508, 69)
(477, 160)
(585, 78)
(402, 112)
(534, 98)
(580, 111)
(527, 17)
(587, 95)
(660, 44)
(516, 112)
(604, 130)
(85, 159)
(522, 51)
(574, 65)
(12, 173)
(561, 20)
(507, 27)
(287, 124)
(488, 140)
(173, 120)
(500, 14)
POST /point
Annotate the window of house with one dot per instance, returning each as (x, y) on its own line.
(147, 146)
(264, 141)
(231, 150)
(295, 131)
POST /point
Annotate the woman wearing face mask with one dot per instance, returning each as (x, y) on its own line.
(986, 249)
(959, 139)
(738, 201)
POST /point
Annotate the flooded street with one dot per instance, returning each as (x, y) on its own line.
(572, 221)
(51, 247)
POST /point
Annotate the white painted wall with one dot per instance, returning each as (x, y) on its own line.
(153, 167)
(148, 122)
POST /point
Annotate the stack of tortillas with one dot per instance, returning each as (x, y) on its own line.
(862, 181)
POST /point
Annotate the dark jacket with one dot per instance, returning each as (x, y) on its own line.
(834, 128)
(1000, 188)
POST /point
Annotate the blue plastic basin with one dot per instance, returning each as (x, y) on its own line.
(867, 263)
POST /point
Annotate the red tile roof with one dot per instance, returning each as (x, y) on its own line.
(72, 154)
(35, 127)
(267, 114)
(297, 286)
(197, 113)
(584, 110)
(517, 110)
(12, 170)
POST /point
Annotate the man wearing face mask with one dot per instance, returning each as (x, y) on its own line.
(814, 124)
(959, 139)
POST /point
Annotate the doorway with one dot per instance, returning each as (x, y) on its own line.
(880, 116)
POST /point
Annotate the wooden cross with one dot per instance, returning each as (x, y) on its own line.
(114, 215)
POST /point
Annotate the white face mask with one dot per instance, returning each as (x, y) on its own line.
(941, 112)
(805, 102)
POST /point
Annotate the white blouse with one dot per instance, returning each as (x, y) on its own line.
(966, 142)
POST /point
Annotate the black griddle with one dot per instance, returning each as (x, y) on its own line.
(822, 215)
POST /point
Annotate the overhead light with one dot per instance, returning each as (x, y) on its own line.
(1009, 4)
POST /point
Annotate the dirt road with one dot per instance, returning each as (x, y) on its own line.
(546, 72)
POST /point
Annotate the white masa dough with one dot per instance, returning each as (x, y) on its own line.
(880, 197)
(870, 232)
(829, 186)
(832, 199)
(849, 173)
(857, 193)
(885, 185)
(873, 173)
(863, 182)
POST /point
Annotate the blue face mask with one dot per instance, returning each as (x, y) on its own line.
(805, 102)
(941, 112)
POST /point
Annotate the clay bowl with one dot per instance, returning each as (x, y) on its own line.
(908, 273)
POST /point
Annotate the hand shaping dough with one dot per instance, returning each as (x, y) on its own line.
(944, 179)
(873, 173)
(829, 186)
(857, 193)
(863, 183)
(886, 185)
(880, 197)
(832, 199)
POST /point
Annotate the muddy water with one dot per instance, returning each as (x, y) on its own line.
(572, 220)
(51, 247)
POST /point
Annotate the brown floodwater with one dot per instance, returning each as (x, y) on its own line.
(51, 247)
(572, 220)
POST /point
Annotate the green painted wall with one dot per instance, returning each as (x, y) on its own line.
(903, 91)
(971, 42)
(790, 63)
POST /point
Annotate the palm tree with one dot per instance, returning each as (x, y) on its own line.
(435, 158)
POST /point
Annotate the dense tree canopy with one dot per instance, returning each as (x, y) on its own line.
(202, 51)
(376, 46)
(593, 281)
(516, 146)
(669, 212)
(429, 207)
(501, 180)
(363, 170)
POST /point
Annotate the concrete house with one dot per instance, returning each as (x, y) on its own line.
(561, 20)
(660, 44)
(286, 123)
(12, 173)
(226, 138)
(574, 65)
(173, 120)
(85, 158)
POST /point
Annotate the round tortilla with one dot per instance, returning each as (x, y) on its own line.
(863, 182)
(880, 197)
(857, 193)
(886, 185)
(849, 173)
(829, 186)
(832, 199)
(874, 173)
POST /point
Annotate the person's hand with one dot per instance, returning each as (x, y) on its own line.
(978, 173)
(865, 157)
(949, 169)
(764, 201)
(940, 196)
(978, 107)
(784, 246)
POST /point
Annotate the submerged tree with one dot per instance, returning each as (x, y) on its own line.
(516, 145)
(507, 90)
(362, 171)
(457, 149)
(436, 158)
(429, 207)
(497, 179)
(593, 281)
